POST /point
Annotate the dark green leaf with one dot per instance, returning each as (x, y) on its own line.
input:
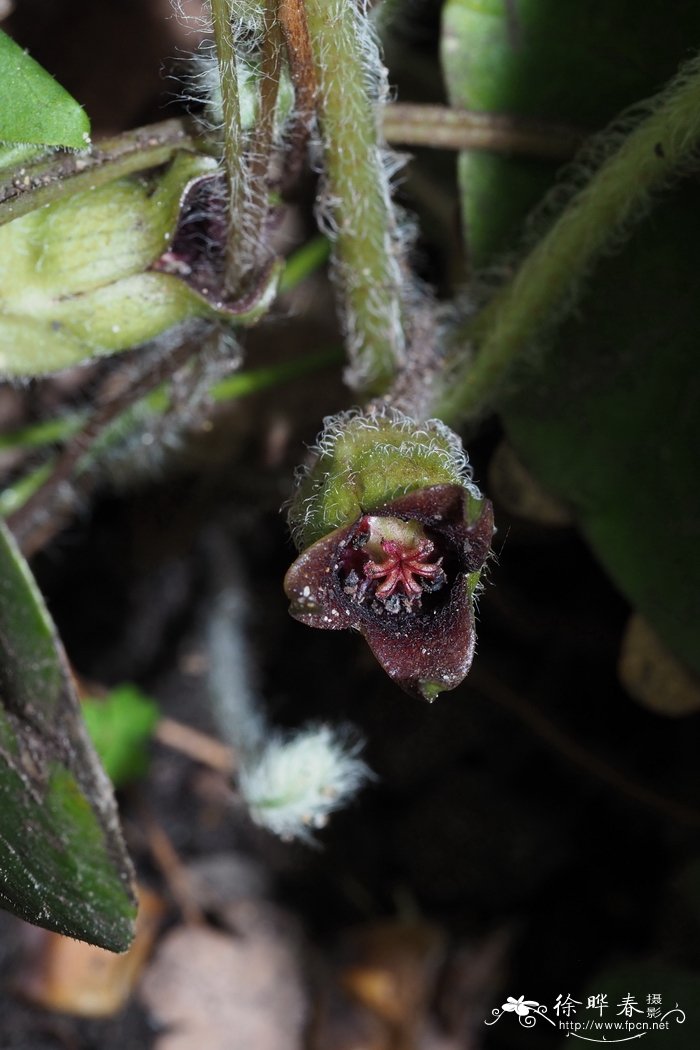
(610, 421)
(62, 860)
(120, 726)
(33, 106)
(607, 419)
(576, 64)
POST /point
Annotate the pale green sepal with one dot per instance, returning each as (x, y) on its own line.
(74, 280)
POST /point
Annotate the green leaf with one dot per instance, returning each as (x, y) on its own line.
(34, 108)
(577, 64)
(609, 422)
(607, 418)
(18, 153)
(120, 726)
(62, 860)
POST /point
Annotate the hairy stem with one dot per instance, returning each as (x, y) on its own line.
(292, 19)
(118, 392)
(550, 277)
(234, 156)
(263, 140)
(350, 81)
(42, 502)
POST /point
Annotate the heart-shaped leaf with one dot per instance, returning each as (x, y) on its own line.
(62, 860)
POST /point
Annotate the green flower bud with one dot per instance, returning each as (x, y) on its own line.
(98, 271)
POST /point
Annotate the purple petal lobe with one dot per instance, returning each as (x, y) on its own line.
(480, 535)
(311, 587)
(427, 654)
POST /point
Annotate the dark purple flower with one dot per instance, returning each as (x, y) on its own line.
(404, 575)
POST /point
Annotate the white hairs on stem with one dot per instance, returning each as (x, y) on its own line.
(355, 207)
(592, 211)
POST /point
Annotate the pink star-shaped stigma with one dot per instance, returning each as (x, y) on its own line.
(400, 567)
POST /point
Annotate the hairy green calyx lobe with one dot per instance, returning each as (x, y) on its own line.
(365, 460)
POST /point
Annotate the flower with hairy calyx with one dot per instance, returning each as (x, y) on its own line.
(402, 570)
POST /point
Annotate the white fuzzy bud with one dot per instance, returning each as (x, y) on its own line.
(294, 783)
